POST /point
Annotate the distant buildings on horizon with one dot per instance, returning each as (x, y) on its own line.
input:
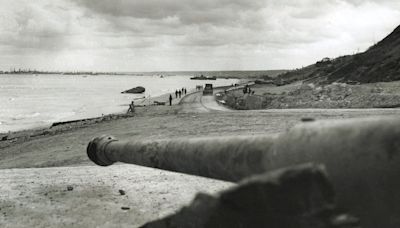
(29, 71)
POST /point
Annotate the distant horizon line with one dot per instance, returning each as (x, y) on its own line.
(20, 70)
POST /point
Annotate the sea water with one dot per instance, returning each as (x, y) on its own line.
(30, 101)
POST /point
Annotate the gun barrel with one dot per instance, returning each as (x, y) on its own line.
(230, 159)
(362, 157)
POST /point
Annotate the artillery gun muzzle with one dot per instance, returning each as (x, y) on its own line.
(360, 155)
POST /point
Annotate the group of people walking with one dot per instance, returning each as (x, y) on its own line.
(247, 89)
(178, 93)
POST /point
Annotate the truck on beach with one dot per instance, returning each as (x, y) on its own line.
(208, 89)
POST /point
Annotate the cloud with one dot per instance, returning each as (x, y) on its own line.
(34, 26)
(188, 34)
(188, 11)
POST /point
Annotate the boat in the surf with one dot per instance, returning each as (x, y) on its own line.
(138, 89)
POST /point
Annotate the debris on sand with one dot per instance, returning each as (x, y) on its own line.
(335, 95)
(307, 119)
(121, 192)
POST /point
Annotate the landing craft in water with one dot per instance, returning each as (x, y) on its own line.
(138, 89)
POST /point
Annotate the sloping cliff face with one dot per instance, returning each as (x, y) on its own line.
(380, 63)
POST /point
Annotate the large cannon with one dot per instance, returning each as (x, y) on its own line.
(360, 155)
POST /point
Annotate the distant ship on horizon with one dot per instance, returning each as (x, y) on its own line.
(202, 77)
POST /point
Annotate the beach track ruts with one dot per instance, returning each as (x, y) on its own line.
(196, 102)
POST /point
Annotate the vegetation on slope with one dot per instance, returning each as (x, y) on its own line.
(380, 63)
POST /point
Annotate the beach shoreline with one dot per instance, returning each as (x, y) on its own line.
(38, 101)
(139, 102)
(20, 136)
(145, 107)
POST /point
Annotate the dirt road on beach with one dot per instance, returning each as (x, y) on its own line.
(197, 103)
(69, 191)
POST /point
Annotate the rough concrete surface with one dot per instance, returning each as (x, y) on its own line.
(90, 196)
(299, 196)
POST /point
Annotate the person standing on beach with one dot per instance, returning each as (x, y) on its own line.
(131, 108)
(176, 93)
(180, 93)
(170, 100)
(185, 91)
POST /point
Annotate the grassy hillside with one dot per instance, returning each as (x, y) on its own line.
(380, 63)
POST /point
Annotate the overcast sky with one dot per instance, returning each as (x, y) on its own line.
(160, 35)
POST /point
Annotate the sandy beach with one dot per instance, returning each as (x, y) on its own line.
(193, 116)
(16, 137)
(60, 154)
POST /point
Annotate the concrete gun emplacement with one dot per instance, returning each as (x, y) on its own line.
(361, 157)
